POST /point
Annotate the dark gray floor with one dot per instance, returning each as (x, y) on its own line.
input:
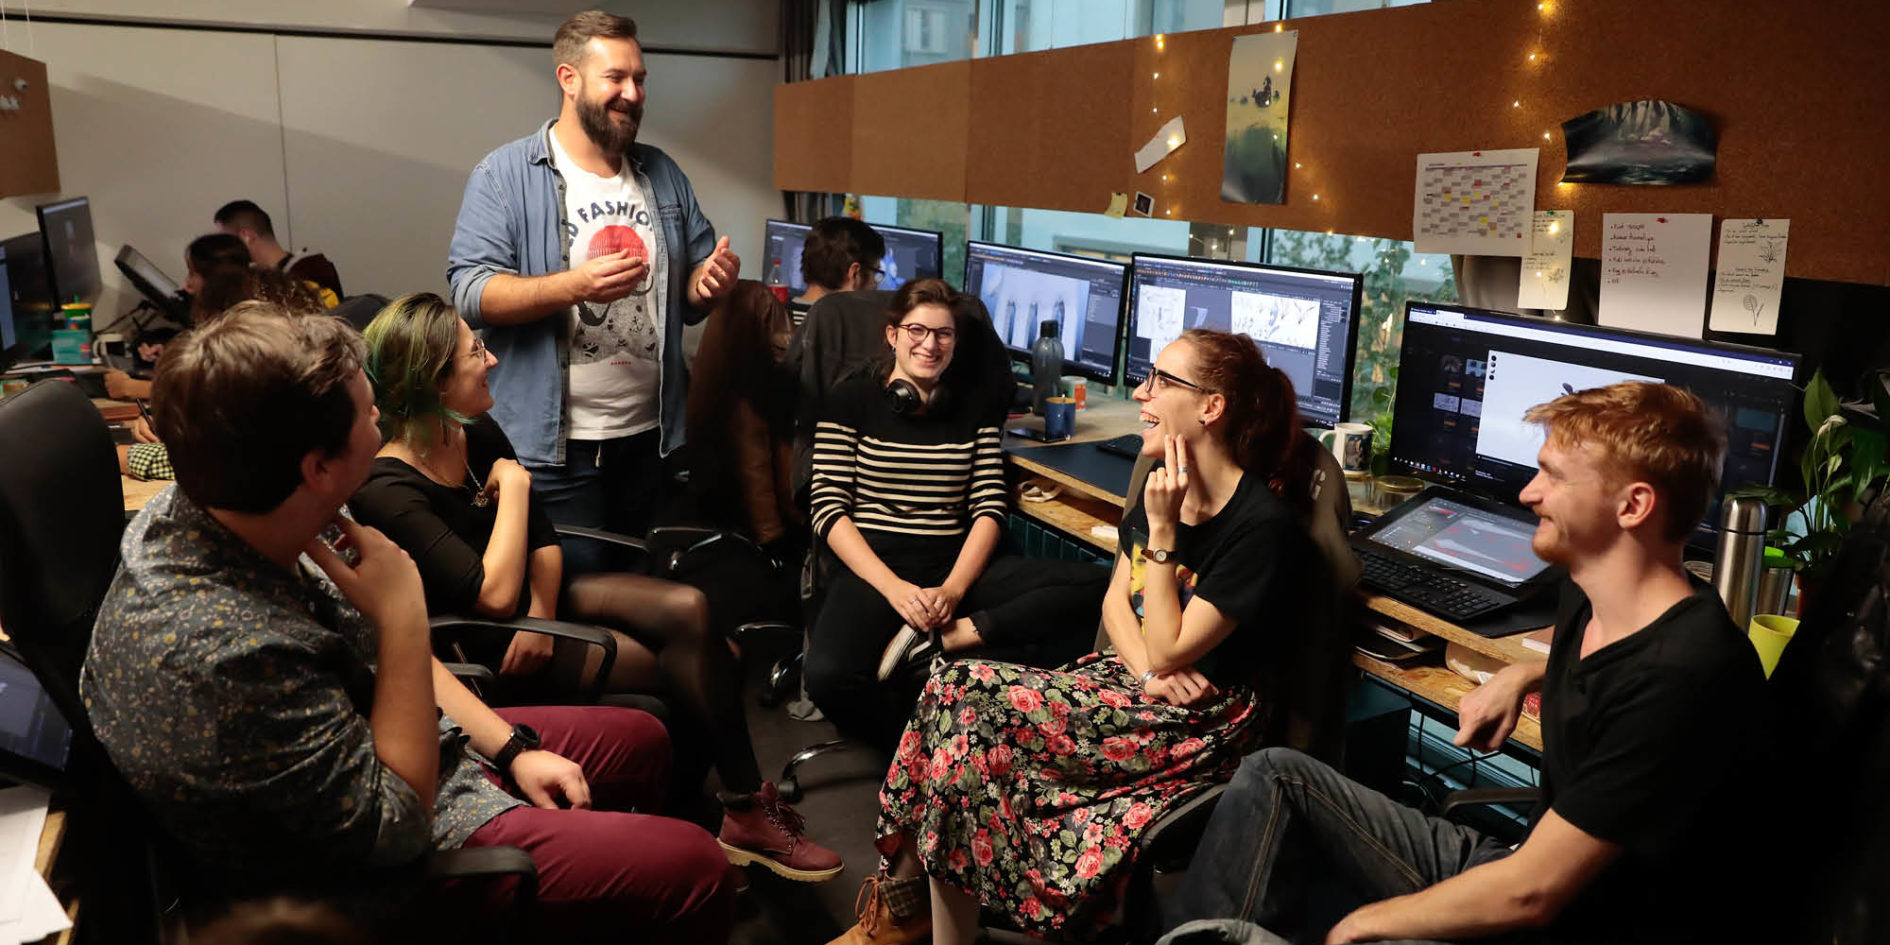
(841, 807)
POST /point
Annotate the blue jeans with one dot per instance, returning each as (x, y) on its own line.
(612, 484)
(1288, 823)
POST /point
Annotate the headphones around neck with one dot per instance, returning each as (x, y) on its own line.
(905, 399)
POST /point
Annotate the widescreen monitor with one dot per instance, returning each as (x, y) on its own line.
(71, 255)
(910, 255)
(1024, 288)
(35, 739)
(1306, 322)
(781, 245)
(1466, 376)
(29, 295)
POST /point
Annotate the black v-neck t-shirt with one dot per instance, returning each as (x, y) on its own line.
(1662, 743)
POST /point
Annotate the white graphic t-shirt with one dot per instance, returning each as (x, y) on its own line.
(616, 348)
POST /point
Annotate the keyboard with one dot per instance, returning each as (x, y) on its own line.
(1128, 444)
(1431, 590)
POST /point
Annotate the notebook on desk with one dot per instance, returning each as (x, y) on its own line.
(1457, 555)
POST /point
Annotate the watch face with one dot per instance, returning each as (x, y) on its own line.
(527, 735)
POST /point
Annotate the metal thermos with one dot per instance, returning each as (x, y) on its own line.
(1741, 558)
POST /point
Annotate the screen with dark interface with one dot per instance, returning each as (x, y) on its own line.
(1466, 376)
(1463, 536)
(71, 255)
(1023, 288)
(29, 294)
(9, 336)
(1306, 322)
(30, 725)
(781, 245)
(910, 255)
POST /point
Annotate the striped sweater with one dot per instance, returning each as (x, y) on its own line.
(931, 475)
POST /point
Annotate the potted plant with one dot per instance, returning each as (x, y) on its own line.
(1842, 465)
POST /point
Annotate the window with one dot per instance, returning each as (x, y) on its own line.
(895, 34)
(925, 31)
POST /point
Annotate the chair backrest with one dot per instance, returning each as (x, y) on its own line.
(1310, 713)
(358, 310)
(845, 333)
(61, 516)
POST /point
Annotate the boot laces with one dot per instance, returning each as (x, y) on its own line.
(867, 906)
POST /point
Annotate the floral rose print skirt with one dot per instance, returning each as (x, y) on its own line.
(1030, 789)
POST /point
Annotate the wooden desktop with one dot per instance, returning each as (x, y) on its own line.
(1080, 506)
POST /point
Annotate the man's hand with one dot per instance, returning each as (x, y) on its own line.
(1487, 716)
(141, 431)
(528, 653)
(610, 277)
(1166, 487)
(1352, 928)
(715, 278)
(384, 585)
(1183, 687)
(118, 385)
(543, 777)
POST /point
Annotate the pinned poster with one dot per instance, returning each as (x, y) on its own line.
(1478, 203)
(1172, 136)
(1653, 271)
(1751, 273)
(1545, 269)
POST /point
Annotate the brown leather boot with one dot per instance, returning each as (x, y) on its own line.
(878, 925)
(762, 828)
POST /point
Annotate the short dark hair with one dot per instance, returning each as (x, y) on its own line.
(834, 245)
(567, 45)
(213, 251)
(227, 286)
(245, 215)
(240, 402)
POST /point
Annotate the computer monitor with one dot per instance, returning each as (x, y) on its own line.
(1465, 377)
(29, 295)
(1023, 288)
(782, 243)
(910, 255)
(1304, 320)
(151, 282)
(9, 335)
(71, 256)
(35, 738)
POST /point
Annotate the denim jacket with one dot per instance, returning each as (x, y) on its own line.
(512, 221)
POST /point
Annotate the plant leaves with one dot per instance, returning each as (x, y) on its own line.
(1820, 400)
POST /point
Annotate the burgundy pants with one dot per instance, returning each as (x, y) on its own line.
(605, 873)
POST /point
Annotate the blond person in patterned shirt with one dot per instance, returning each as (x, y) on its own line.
(272, 697)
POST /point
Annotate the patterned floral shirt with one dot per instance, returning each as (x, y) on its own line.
(234, 697)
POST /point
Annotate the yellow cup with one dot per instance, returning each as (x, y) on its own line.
(1770, 633)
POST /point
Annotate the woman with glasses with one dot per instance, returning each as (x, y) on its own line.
(908, 492)
(448, 488)
(1025, 792)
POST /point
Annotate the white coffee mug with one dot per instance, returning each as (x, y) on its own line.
(1351, 445)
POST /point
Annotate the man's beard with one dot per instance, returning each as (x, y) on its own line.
(604, 130)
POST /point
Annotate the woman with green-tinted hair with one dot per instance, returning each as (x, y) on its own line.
(448, 488)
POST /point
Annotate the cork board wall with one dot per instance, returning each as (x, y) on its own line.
(1788, 86)
(909, 132)
(813, 135)
(28, 162)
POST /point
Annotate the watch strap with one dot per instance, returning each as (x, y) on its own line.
(523, 739)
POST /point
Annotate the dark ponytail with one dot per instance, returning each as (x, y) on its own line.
(1260, 424)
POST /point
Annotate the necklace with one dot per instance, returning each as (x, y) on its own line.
(479, 488)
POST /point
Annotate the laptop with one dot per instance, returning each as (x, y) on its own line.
(35, 739)
(1454, 554)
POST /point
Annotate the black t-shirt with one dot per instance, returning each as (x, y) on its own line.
(1662, 743)
(1253, 561)
(440, 527)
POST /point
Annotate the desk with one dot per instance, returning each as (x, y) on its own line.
(1081, 506)
(138, 492)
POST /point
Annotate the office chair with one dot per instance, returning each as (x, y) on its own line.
(358, 310)
(1309, 716)
(61, 518)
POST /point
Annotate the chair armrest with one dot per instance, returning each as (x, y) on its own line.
(1169, 842)
(744, 631)
(1483, 797)
(598, 534)
(698, 538)
(583, 633)
(469, 672)
(488, 863)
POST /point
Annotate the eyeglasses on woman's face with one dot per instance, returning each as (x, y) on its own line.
(1159, 380)
(478, 351)
(916, 334)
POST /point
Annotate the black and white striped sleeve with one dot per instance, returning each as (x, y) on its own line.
(835, 464)
(989, 494)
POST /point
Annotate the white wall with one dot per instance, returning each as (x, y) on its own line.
(357, 147)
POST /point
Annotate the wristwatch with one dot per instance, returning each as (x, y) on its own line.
(524, 738)
(1158, 555)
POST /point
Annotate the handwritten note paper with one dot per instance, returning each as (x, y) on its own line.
(1653, 271)
(1751, 273)
(1545, 270)
(1475, 202)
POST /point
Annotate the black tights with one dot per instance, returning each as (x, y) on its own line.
(665, 643)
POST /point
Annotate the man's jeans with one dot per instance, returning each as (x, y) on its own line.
(614, 485)
(1288, 824)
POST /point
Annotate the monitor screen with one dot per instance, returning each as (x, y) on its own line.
(1305, 321)
(910, 255)
(35, 739)
(781, 245)
(71, 255)
(1023, 288)
(29, 294)
(9, 336)
(1466, 376)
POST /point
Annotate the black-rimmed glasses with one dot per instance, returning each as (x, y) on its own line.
(916, 333)
(1159, 380)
